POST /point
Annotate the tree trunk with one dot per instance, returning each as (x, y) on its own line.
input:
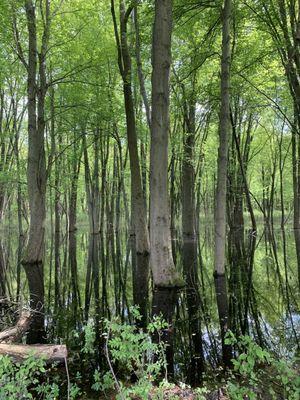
(49, 353)
(220, 210)
(165, 277)
(36, 170)
(138, 207)
(75, 169)
(92, 184)
(296, 191)
(139, 67)
(190, 264)
(163, 268)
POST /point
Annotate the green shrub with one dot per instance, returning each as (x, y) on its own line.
(131, 351)
(256, 373)
(29, 380)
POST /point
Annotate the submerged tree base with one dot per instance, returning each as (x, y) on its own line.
(223, 310)
(34, 273)
(163, 305)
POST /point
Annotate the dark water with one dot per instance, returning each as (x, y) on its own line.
(93, 275)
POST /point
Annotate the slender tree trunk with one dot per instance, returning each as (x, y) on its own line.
(163, 268)
(3, 281)
(36, 170)
(139, 67)
(92, 183)
(220, 209)
(19, 201)
(190, 264)
(165, 277)
(75, 169)
(2, 158)
(138, 207)
(296, 190)
(173, 203)
(57, 218)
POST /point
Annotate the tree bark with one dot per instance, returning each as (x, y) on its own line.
(50, 353)
(163, 268)
(189, 250)
(138, 207)
(16, 333)
(165, 277)
(139, 67)
(36, 168)
(220, 209)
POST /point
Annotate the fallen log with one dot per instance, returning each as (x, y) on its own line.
(50, 353)
(18, 352)
(16, 333)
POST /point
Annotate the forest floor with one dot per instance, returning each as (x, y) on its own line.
(175, 393)
(189, 394)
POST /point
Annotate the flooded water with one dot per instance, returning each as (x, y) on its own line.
(92, 275)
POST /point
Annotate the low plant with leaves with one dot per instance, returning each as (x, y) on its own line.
(257, 374)
(30, 379)
(131, 351)
(22, 380)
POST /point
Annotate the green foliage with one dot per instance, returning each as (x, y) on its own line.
(132, 351)
(89, 338)
(16, 379)
(102, 383)
(30, 380)
(201, 392)
(257, 372)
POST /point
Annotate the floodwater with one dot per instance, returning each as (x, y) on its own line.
(265, 303)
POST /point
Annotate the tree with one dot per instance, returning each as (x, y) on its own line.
(221, 191)
(138, 207)
(189, 236)
(36, 168)
(165, 277)
(283, 23)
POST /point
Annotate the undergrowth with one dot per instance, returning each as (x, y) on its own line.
(132, 355)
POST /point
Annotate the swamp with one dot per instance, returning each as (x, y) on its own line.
(150, 199)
